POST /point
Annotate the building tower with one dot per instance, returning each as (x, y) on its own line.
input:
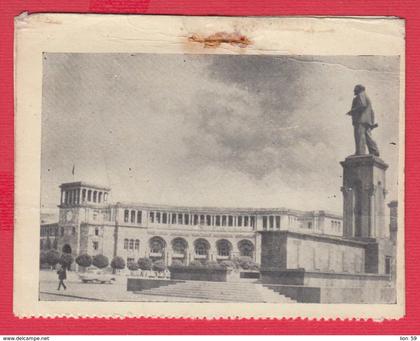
(80, 203)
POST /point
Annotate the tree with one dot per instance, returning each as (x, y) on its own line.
(118, 263)
(145, 263)
(212, 265)
(53, 257)
(228, 264)
(66, 260)
(100, 261)
(196, 264)
(176, 263)
(159, 265)
(84, 260)
(246, 263)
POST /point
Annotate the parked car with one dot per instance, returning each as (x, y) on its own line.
(96, 276)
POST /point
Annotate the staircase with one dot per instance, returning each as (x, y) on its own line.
(220, 291)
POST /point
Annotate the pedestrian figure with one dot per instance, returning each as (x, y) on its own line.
(62, 275)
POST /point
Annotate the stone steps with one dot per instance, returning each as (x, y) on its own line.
(220, 291)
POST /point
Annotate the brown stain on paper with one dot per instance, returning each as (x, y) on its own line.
(216, 39)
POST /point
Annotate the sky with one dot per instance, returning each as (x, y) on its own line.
(211, 130)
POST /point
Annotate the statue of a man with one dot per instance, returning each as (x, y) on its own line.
(363, 119)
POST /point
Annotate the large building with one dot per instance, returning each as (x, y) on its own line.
(90, 223)
(317, 256)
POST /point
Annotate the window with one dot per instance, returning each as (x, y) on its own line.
(230, 220)
(83, 195)
(62, 231)
(131, 244)
(186, 219)
(208, 220)
(271, 220)
(100, 197)
(387, 265)
(137, 244)
(173, 218)
(223, 248)
(252, 221)
(130, 261)
(95, 193)
(164, 218)
(157, 245)
(138, 217)
(246, 248)
(105, 196)
(277, 222)
(264, 222)
(73, 230)
(195, 219)
(223, 220)
(246, 221)
(152, 217)
(201, 247)
(202, 219)
(126, 213)
(96, 231)
(309, 225)
(125, 244)
(179, 245)
(132, 217)
(201, 250)
(158, 217)
(240, 221)
(180, 218)
(217, 220)
(95, 245)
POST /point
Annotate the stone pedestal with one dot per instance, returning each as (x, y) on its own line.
(364, 192)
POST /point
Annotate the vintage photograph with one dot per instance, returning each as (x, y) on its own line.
(209, 167)
(213, 178)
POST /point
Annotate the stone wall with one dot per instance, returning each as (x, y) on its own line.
(288, 250)
(324, 255)
(274, 250)
(366, 295)
(369, 295)
(324, 279)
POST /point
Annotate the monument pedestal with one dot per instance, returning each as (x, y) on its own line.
(364, 194)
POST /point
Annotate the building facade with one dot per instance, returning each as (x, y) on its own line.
(90, 223)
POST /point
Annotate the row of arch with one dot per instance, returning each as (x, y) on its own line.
(201, 247)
